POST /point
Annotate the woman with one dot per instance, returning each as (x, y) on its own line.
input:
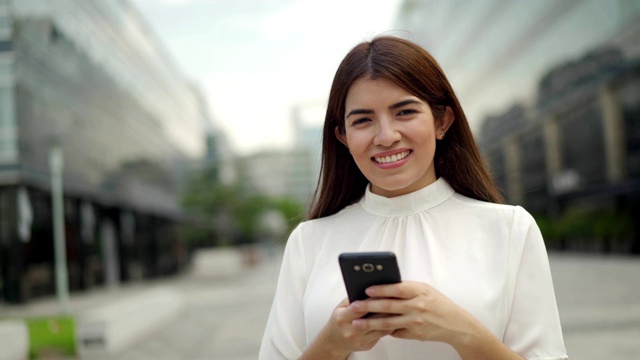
(401, 173)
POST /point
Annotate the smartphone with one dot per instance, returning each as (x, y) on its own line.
(363, 269)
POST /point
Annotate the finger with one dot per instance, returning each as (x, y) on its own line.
(380, 306)
(377, 334)
(365, 341)
(399, 291)
(373, 335)
(343, 303)
(347, 312)
(402, 334)
(403, 290)
(388, 323)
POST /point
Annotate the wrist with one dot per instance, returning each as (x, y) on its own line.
(322, 347)
(481, 344)
(475, 341)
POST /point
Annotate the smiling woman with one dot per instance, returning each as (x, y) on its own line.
(391, 135)
(401, 173)
(414, 73)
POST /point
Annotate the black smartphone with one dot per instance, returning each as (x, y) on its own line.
(363, 269)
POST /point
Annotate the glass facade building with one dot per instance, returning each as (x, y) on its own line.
(495, 52)
(90, 78)
(552, 92)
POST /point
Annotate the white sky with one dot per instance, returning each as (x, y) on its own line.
(254, 59)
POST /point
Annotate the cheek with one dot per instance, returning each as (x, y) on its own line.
(356, 143)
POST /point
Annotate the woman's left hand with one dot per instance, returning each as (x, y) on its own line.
(416, 311)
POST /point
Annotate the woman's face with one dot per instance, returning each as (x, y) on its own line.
(392, 136)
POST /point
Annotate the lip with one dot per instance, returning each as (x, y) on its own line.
(390, 152)
(395, 164)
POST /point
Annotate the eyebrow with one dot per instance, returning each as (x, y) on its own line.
(392, 107)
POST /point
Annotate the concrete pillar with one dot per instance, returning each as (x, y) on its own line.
(552, 139)
(110, 254)
(613, 127)
(513, 170)
(78, 264)
(552, 143)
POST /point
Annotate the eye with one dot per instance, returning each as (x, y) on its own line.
(406, 112)
(359, 121)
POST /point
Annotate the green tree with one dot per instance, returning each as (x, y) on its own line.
(231, 214)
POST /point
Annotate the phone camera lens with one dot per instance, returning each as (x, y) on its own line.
(367, 267)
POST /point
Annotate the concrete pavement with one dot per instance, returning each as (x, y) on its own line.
(112, 320)
(224, 318)
(599, 303)
(224, 311)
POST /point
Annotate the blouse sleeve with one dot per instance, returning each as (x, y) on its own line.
(533, 329)
(284, 336)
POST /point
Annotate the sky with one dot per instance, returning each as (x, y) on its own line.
(255, 59)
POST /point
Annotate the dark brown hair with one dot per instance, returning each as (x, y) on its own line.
(457, 158)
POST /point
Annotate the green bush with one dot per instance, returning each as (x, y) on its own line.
(230, 214)
(52, 337)
(588, 227)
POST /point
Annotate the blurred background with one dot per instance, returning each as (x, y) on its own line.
(137, 134)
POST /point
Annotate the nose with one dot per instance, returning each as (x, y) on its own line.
(387, 134)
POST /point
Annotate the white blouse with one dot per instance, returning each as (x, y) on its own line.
(490, 259)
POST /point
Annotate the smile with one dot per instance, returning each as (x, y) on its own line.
(392, 158)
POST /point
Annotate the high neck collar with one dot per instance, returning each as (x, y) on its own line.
(411, 203)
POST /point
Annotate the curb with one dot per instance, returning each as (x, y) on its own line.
(116, 326)
(118, 320)
(15, 339)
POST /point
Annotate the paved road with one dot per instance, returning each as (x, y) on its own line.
(599, 304)
(224, 316)
(598, 297)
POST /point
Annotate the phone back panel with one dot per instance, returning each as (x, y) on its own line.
(363, 269)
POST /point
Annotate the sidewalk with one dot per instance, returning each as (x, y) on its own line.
(223, 307)
(109, 320)
(599, 303)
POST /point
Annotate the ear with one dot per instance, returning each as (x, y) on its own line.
(341, 137)
(445, 122)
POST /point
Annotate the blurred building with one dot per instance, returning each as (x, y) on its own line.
(308, 123)
(552, 91)
(281, 173)
(495, 52)
(578, 148)
(291, 173)
(218, 162)
(88, 77)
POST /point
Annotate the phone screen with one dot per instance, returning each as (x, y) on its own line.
(363, 269)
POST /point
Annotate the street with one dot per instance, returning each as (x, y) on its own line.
(226, 306)
(599, 303)
(598, 298)
(224, 317)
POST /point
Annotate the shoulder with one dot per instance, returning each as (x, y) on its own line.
(311, 233)
(511, 221)
(343, 217)
(488, 209)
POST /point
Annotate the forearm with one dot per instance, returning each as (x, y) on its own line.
(320, 349)
(483, 345)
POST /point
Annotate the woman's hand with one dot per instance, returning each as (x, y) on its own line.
(339, 337)
(420, 312)
(407, 310)
(413, 310)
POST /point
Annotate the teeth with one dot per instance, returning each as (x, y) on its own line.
(392, 158)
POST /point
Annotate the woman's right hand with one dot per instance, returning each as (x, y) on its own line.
(339, 338)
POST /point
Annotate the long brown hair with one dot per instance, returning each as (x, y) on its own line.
(457, 158)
